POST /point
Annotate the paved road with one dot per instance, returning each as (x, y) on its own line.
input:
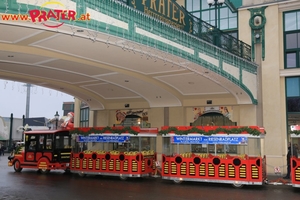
(30, 185)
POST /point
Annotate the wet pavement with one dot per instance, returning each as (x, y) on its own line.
(30, 185)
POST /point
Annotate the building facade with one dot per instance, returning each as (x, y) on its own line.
(263, 90)
(273, 30)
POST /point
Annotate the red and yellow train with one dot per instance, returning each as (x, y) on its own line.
(230, 155)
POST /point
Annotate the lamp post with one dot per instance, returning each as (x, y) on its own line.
(216, 3)
(56, 118)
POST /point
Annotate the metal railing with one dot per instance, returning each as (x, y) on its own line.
(215, 36)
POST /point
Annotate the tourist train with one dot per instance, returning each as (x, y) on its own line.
(217, 154)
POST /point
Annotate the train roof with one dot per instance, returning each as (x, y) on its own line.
(135, 130)
(45, 131)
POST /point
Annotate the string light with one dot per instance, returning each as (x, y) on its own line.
(6, 6)
(148, 47)
(37, 89)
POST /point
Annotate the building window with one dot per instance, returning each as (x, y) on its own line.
(293, 100)
(293, 86)
(292, 21)
(227, 21)
(84, 117)
(193, 5)
(292, 39)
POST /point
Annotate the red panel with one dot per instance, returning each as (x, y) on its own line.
(38, 155)
(114, 164)
(229, 168)
(30, 156)
(295, 171)
(48, 155)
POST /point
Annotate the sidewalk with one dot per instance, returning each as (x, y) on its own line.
(277, 179)
(5, 156)
(3, 159)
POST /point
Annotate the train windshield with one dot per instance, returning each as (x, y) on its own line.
(49, 141)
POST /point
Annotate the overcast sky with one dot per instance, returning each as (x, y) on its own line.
(44, 102)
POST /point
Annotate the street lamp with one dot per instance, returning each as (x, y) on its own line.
(216, 3)
(56, 118)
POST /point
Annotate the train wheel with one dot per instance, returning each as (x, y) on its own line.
(17, 166)
(123, 178)
(44, 171)
(81, 174)
(236, 185)
(43, 165)
(177, 181)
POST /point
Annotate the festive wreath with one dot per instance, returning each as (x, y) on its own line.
(296, 132)
(107, 129)
(249, 130)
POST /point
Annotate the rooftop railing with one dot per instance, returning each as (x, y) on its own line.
(213, 35)
(221, 39)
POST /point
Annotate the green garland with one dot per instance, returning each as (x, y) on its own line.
(107, 129)
(248, 130)
(296, 132)
(19, 148)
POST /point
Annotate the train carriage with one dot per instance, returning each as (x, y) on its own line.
(295, 161)
(214, 154)
(115, 152)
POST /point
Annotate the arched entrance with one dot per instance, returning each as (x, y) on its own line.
(132, 120)
(213, 119)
